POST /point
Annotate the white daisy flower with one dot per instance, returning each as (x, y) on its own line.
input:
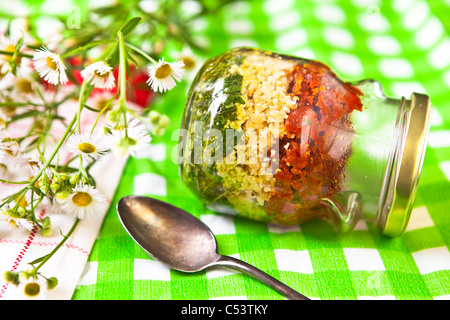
(22, 223)
(85, 201)
(50, 66)
(100, 75)
(35, 165)
(162, 76)
(14, 222)
(8, 45)
(89, 146)
(3, 120)
(100, 100)
(191, 61)
(3, 171)
(131, 139)
(9, 148)
(31, 289)
(25, 89)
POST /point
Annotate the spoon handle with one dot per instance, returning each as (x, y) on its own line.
(288, 292)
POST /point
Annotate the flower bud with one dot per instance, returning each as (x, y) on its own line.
(45, 232)
(158, 131)
(21, 211)
(112, 116)
(74, 178)
(52, 282)
(46, 222)
(154, 116)
(30, 273)
(44, 188)
(163, 121)
(54, 187)
(13, 213)
(61, 195)
(11, 277)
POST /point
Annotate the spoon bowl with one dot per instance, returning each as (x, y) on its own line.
(179, 240)
(168, 234)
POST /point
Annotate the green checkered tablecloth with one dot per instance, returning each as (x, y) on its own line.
(403, 44)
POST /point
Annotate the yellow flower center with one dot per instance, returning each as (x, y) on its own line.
(33, 163)
(86, 147)
(131, 141)
(51, 63)
(9, 48)
(8, 110)
(13, 224)
(189, 63)
(12, 48)
(24, 86)
(10, 147)
(32, 289)
(23, 202)
(101, 104)
(102, 75)
(163, 71)
(82, 199)
(127, 141)
(9, 151)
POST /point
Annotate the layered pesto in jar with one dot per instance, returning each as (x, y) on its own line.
(267, 136)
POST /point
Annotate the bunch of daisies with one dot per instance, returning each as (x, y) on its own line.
(35, 85)
(51, 68)
(123, 133)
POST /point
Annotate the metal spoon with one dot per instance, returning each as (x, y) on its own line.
(181, 241)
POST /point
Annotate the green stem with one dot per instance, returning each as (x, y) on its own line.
(20, 54)
(80, 105)
(107, 53)
(14, 182)
(123, 84)
(82, 169)
(48, 256)
(106, 107)
(122, 69)
(18, 104)
(87, 46)
(55, 151)
(142, 53)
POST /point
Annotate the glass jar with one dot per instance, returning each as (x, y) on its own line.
(281, 139)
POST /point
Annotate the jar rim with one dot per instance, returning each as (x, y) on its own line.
(394, 220)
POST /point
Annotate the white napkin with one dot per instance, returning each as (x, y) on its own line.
(18, 246)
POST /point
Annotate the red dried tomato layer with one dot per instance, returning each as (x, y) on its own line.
(317, 144)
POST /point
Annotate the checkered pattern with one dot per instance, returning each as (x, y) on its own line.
(403, 44)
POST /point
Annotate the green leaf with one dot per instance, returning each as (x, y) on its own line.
(130, 25)
(28, 114)
(108, 10)
(90, 108)
(38, 260)
(19, 43)
(129, 56)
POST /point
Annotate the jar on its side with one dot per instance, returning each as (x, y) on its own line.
(281, 139)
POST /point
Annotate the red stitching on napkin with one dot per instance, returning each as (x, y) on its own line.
(43, 244)
(77, 248)
(30, 242)
(22, 252)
